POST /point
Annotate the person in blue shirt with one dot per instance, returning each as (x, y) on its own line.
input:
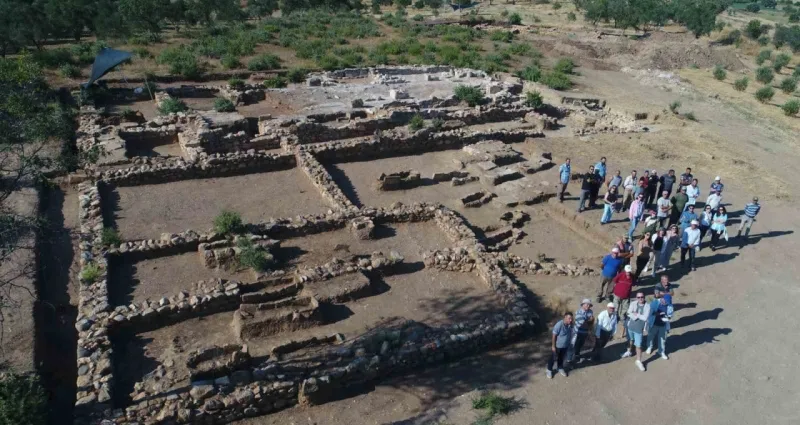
(584, 320)
(564, 174)
(658, 323)
(717, 185)
(610, 267)
(751, 210)
(563, 333)
(687, 217)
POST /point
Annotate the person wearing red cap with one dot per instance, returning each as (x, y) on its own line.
(623, 282)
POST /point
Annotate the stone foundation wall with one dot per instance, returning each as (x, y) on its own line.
(95, 381)
(215, 165)
(324, 182)
(391, 144)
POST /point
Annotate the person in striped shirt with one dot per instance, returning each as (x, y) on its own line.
(751, 210)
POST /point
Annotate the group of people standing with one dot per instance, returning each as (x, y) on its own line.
(672, 224)
(642, 321)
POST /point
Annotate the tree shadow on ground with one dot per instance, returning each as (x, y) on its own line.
(54, 315)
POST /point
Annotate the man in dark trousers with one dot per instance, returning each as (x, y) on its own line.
(587, 185)
(652, 188)
(563, 332)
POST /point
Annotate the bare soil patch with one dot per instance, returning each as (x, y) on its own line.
(152, 279)
(148, 211)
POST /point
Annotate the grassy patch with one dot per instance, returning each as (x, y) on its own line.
(110, 236)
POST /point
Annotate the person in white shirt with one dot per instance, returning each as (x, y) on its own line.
(689, 243)
(629, 184)
(714, 199)
(605, 329)
(693, 192)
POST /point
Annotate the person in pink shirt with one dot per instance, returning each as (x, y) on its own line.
(635, 213)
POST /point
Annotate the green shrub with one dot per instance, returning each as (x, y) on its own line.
(753, 8)
(419, 4)
(418, 18)
(763, 40)
(224, 105)
(719, 73)
(674, 106)
(91, 272)
(796, 72)
(733, 37)
(764, 75)
(236, 83)
(533, 99)
(741, 84)
(171, 106)
(556, 80)
(181, 61)
(416, 122)
(296, 75)
(110, 236)
(515, 19)
(228, 222)
(791, 107)
(470, 94)
(530, 73)
(690, 116)
(763, 56)
(564, 66)
(252, 256)
(571, 16)
(142, 53)
(69, 70)
(494, 404)
(754, 29)
(230, 62)
(437, 123)
(556, 6)
(780, 61)
(788, 85)
(764, 94)
(52, 58)
(276, 82)
(264, 62)
(127, 114)
(504, 36)
(22, 401)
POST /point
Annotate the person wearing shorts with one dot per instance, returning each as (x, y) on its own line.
(638, 316)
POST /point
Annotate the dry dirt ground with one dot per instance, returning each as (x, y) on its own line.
(730, 357)
(142, 212)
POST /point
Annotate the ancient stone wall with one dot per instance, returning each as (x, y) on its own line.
(393, 143)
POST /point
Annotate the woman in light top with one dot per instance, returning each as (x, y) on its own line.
(718, 227)
(693, 192)
(706, 217)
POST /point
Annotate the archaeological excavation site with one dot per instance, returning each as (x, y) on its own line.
(378, 225)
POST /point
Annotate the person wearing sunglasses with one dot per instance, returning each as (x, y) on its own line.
(638, 316)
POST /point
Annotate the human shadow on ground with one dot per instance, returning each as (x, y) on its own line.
(676, 271)
(694, 338)
(696, 318)
(756, 238)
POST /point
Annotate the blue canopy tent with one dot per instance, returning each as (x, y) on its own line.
(105, 61)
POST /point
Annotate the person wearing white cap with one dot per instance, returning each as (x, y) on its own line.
(605, 329)
(717, 185)
(713, 200)
(584, 319)
(610, 266)
(689, 243)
